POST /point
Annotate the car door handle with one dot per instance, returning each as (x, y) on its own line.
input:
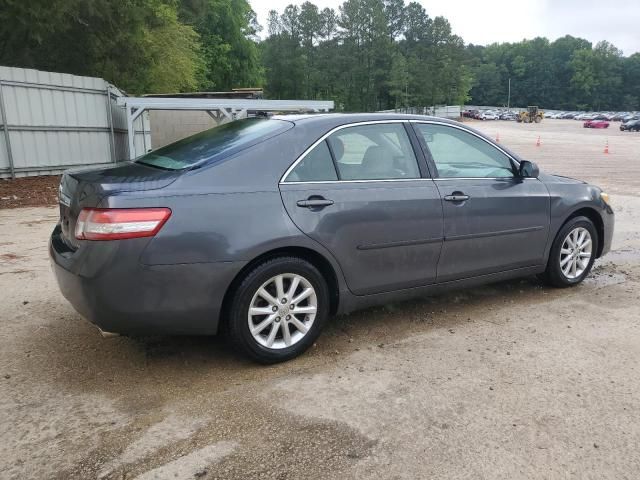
(456, 197)
(314, 203)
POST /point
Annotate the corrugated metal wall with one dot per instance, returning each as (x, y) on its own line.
(52, 121)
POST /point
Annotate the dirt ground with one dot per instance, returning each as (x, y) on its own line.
(29, 191)
(508, 381)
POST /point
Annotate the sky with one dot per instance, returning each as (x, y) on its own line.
(482, 22)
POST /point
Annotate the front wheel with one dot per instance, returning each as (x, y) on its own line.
(572, 253)
(278, 310)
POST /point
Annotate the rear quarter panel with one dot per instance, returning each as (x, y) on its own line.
(229, 212)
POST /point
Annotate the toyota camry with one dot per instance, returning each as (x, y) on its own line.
(263, 228)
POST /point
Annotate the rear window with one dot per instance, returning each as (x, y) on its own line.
(215, 144)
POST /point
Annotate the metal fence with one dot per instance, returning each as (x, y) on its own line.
(53, 121)
(482, 108)
(442, 111)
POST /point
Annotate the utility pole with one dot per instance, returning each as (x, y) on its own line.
(509, 96)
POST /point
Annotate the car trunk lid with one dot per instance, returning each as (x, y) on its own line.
(87, 187)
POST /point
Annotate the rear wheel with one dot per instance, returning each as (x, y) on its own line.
(572, 253)
(278, 310)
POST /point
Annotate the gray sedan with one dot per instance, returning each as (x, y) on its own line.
(263, 228)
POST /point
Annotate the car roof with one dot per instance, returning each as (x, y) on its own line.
(332, 120)
(345, 118)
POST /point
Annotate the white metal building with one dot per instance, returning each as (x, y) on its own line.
(50, 122)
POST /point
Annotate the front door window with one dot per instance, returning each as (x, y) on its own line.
(460, 154)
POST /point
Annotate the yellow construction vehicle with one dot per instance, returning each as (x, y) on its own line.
(532, 114)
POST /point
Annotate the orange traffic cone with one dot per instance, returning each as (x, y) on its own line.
(538, 142)
(498, 137)
(606, 147)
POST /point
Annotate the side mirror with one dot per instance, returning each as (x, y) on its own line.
(528, 169)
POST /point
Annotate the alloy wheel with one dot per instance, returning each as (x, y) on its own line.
(575, 253)
(282, 311)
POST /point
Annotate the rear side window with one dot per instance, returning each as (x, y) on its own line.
(215, 144)
(316, 166)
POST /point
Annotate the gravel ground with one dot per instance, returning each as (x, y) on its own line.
(513, 380)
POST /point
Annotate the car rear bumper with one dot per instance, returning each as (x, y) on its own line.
(107, 285)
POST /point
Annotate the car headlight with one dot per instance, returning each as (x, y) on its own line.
(605, 198)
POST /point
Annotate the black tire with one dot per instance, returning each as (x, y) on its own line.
(554, 275)
(238, 323)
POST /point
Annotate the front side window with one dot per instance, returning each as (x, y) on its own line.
(460, 154)
(374, 152)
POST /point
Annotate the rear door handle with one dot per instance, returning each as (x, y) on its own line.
(314, 203)
(456, 197)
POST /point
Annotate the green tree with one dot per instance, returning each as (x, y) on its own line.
(560, 93)
(394, 12)
(282, 55)
(597, 77)
(125, 43)
(631, 80)
(399, 81)
(229, 51)
(566, 74)
(488, 88)
(310, 24)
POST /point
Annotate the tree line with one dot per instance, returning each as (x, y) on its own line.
(141, 46)
(366, 55)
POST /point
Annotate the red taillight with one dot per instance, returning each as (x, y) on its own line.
(120, 223)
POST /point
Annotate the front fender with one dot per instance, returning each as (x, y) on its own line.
(569, 199)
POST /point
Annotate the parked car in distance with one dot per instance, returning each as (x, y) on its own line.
(265, 227)
(508, 115)
(596, 124)
(630, 126)
(618, 117)
(489, 115)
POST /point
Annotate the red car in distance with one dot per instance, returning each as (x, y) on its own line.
(596, 124)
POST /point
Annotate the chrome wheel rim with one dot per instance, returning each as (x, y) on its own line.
(575, 253)
(282, 311)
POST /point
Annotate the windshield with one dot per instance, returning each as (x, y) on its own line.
(215, 144)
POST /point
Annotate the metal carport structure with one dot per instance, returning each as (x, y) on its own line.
(221, 110)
